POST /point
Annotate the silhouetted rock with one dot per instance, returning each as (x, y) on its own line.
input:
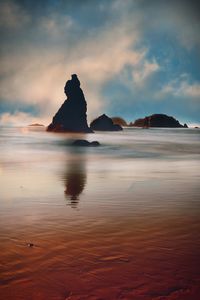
(185, 125)
(104, 123)
(71, 117)
(84, 143)
(196, 127)
(36, 124)
(119, 121)
(94, 144)
(157, 120)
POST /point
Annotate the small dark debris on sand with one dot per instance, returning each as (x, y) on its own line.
(30, 245)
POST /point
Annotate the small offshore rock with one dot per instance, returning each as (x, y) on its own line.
(119, 121)
(85, 143)
(104, 123)
(36, 125)
(95, 144)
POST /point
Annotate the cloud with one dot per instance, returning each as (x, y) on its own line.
(37, 75)
(185, 16)
(42, 45)
(12, 16)
(55, 24)
(181, 88)
(177, 19)
(192, 90)
(144, 71)
(18, 118)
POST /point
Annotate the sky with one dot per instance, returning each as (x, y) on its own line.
(133, 58)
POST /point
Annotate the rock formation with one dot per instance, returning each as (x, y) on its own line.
(84, 143)
(71, 117)
(158, 120)
(36, 125)
(119, 121)
(104, 123)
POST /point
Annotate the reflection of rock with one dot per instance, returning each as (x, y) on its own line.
(104, 123)
(84, 143)
(75, 179)
(158, 120)
(119, 121)
(71, 117)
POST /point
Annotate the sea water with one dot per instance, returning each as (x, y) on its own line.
(118, 221)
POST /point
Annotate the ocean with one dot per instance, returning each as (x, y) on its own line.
(118, 221)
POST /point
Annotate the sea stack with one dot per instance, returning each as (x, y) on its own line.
(104, 123)
(71, 116)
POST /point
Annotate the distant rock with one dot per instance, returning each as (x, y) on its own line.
(36, 124)
(185, 125)
(158, 120)
(104, 123)
(84, 143)
(71, 117)
(119, 121)
(196, 127)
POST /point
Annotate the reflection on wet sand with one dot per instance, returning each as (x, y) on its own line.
(75, 177)
(134, 234)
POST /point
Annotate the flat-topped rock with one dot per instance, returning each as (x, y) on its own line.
(158, 120)
(36, 125)
(71, 116)
(104, 123)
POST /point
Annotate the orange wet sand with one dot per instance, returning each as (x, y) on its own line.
(141, 259)
(121, 221)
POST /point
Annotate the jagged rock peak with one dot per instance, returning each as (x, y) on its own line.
(72, 85)
(71, 116)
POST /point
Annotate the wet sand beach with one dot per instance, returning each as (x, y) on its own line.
(118, 221)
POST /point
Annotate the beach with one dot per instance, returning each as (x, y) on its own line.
(118, 221)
